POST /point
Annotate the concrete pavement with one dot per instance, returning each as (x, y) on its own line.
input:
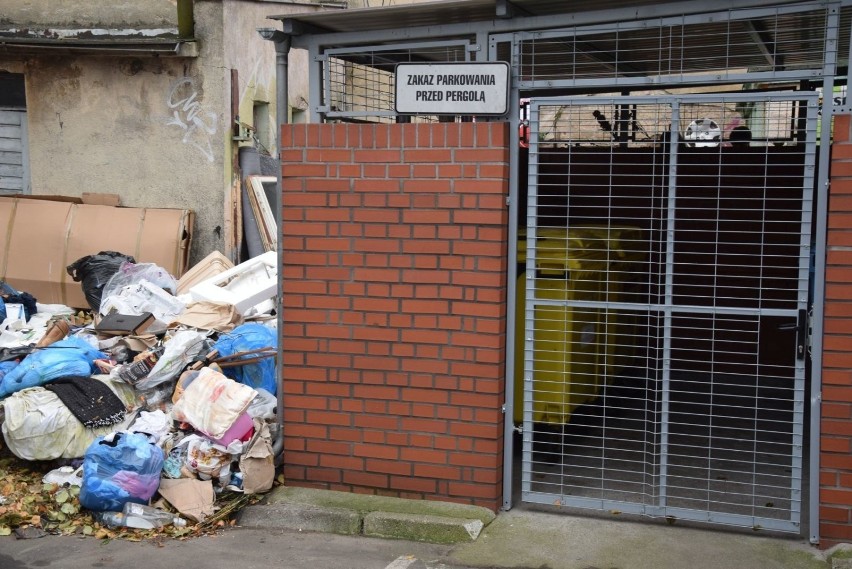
(530, 538)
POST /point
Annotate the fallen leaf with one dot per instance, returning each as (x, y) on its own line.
(104, 533)
(61, 497)
(69, 508)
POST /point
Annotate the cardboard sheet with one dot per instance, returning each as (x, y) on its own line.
(40, 237)
(192, 498)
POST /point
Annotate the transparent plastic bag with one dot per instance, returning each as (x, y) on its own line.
(130, 273)
(178, 352)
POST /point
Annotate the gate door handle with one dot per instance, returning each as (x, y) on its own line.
(801, 328)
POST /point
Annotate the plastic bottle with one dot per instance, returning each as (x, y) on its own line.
(153, 515)
(139, 516)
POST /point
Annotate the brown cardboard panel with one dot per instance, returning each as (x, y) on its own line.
(98, 228)
(93, 198)
(166, 226)
(7, 210)
(43, 237)
(37, 232)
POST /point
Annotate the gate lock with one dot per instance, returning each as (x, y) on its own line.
(801, 328)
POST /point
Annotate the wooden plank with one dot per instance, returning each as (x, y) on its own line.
(11, 117)
(10, 144)
(13, 132)
(13, 184)
(7, 170)
(11, 158)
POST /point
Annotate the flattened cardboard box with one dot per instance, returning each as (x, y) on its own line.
(39, 238)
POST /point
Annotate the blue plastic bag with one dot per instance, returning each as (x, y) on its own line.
(246, 338)
(2, 310)
(6, 367)
(119, 468)
(68, 357)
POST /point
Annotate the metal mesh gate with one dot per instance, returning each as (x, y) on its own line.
(664, 294)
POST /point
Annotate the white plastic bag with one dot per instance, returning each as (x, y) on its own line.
(177, 353)
(263, 406)
(144, 297)
(207, 460)
(156, 424)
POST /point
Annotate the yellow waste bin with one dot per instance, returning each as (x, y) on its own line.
(567, 341)
(625, 267)
(574, 349)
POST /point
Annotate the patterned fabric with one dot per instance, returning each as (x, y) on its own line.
(90, 400)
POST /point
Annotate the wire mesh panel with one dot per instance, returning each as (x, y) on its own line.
(664, 288)
(359, 83)
(772, 41)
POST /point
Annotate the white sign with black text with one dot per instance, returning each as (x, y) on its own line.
(452, 88)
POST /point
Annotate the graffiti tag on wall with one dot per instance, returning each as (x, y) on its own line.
(187, 113)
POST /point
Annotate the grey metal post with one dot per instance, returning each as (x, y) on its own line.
(282, 52)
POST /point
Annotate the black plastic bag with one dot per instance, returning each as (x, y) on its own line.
(94, 271)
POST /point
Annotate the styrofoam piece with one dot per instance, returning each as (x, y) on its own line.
(213, 264)
(246, 286)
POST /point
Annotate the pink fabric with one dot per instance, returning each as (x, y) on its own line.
(241, 429)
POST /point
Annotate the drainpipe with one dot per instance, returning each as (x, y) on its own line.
(282, 51)
(186, 19)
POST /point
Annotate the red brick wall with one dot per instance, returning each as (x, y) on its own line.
(835, 477)
(394, 299)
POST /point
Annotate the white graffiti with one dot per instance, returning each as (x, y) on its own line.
(198, 125)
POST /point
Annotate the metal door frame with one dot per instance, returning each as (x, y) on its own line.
(667, 309)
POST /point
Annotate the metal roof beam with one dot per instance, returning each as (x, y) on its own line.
(503, 9)
(763, 40)
(295, 28)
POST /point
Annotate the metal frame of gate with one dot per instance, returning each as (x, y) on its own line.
(649, 386)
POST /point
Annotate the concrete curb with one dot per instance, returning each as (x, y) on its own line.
(301, 517)
(412, 527)
(305, 509)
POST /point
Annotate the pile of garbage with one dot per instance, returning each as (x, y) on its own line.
(156, 408)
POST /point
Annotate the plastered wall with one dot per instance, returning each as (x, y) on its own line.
(158, 131)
